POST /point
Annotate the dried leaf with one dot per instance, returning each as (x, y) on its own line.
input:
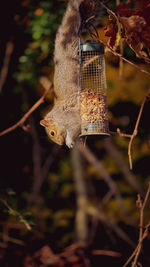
(46, 255)
(133, 23)
(111, 31)
(135, 27)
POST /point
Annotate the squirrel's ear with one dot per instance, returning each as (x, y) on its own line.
(45, 122)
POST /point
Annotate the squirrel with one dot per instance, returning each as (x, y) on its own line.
(63, 123)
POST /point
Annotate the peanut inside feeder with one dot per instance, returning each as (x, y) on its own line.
(93, 100)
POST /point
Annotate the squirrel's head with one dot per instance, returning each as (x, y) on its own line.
(55, 133)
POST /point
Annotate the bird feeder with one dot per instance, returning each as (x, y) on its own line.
(93, 99)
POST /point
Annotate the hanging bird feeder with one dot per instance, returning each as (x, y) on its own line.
(93, 99)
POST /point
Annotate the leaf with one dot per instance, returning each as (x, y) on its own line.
(13, 212)
(111, 31)
(135, 26)
(133, 23)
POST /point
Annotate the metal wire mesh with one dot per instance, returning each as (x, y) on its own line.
(93, 101)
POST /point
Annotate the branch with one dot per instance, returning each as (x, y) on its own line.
(37, 170)
(4, 71)
(49, 161)
(121, 47)
(109, 253)
(12, 240)
(142, 235)
(123, 58)
(117, 157)
(107, 221)
(24, 118)
(16, 213)
(107, 178)
(135, 131)
(109, 11)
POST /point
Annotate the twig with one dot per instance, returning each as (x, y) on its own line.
(123, 134)
(136, 127)
(91, 210)
(106, 253)
(121, 47)
(142, 235)
(12, 240)
(4, 71)
(16, 213)
(121, 60)
(107, 178)
(109, 11)
(23, 119)
(90, 61)
(141, 207)
(95, 162)
(107, 197)
(117, 2)
(138, 248)
(49, 161)
(121, 56)
(117, 157)
(37, 170)
(135, 131)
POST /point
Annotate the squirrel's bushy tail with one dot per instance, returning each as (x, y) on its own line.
(66, 46)
(77, 13)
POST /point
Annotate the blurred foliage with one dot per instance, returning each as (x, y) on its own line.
(41, 22)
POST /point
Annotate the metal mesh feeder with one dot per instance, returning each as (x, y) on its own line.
(93, 99)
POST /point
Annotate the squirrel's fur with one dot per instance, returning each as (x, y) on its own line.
(62, 123)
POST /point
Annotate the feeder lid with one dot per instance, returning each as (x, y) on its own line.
(91, 45)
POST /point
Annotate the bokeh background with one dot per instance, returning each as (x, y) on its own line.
(65, 195)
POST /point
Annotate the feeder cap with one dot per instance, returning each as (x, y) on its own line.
(91, 45)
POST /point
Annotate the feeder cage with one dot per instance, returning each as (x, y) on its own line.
(93, 100)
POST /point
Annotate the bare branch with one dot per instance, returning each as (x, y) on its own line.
(49, 161)
(109, 11)
(12, 240)
(106, 253)
(135, 131)
(107, 178)
(24, 118)
(4, 71)
(37, 170)
(16, 213)
(123, 134)
(117, 157)
(142, 235)
(107, 221)
(123, 58)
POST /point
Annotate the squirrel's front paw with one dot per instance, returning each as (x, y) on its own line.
(69, 141)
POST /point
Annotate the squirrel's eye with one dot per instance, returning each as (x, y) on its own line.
(52, 133)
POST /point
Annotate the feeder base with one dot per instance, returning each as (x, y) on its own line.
(99, 128)
(104, 134)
